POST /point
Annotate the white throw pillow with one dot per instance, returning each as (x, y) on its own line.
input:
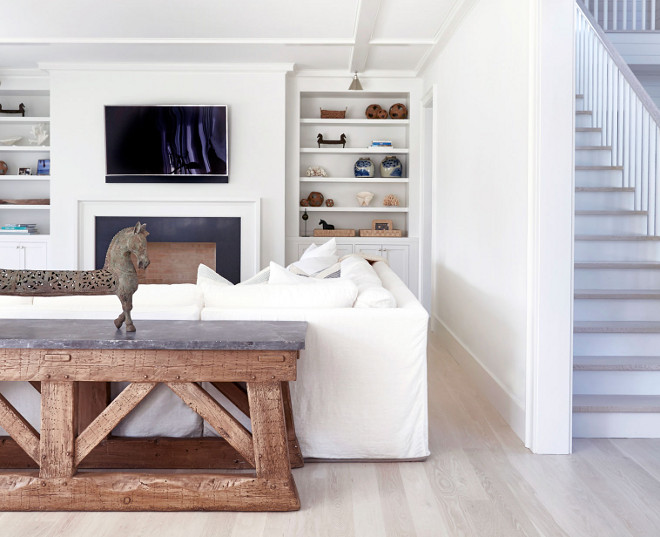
(259, 277)
(371, 293)
(316, 260)
(204, 272)
(280, 275)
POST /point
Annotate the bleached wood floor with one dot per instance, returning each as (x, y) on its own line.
(480, 481)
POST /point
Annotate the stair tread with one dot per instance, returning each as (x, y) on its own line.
(597, 168)
(638, 238)
(616, 363)
(588, 129)
(604, 189)
(617, 265)
(613, 212)
(583, 112)
(616, 327)
(616, 403)
(579, 96)
(639, 294)
(593, 148)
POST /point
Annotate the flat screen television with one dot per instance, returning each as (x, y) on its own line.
(166, 144)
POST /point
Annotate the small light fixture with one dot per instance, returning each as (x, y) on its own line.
(355, 84)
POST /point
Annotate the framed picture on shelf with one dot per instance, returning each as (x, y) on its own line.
(381, 225)
(43, 166)
(25, 171)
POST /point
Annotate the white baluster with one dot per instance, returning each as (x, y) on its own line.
(643, 8)
(625, 15)
(605, 15)
(615, 14)
(634, 14)
(653, 15)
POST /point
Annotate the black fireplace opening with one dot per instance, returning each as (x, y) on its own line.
(225, 232)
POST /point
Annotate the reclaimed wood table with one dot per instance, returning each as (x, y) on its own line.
(60, 357)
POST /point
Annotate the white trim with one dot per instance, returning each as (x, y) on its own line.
(286, 41)
(339, 73)
(249, 211)
(550, 228)
(510, 408)
(155, 66)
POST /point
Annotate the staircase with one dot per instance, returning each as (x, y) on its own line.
(616, 363)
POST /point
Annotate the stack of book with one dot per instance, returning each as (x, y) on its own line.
(18, 229)
(381, 143)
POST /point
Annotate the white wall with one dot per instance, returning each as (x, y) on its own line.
(480, 243)
(503, 191)
(256, 143)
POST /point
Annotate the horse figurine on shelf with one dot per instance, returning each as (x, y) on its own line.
(118, 275)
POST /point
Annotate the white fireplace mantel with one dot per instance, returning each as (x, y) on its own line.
(248, 210)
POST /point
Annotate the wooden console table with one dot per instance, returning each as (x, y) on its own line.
(71, 361)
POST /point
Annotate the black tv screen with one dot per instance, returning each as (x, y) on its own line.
(166, 144)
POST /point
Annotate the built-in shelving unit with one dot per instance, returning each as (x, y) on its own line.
(341, 185)
(32, 90)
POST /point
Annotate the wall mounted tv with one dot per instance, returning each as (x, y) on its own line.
(166, 144)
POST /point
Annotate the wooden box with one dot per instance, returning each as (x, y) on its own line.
(334, 233)
(381, 233)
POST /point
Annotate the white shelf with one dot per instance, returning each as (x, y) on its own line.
(28, 120)
(25, 148)
(16, 92)
(24, 177)
(356, 150)
(318, 179)
(8, 206)
(349, 121)
(38, 237)
(355, 209)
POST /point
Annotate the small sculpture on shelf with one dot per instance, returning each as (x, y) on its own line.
(398, 111)
(341, 141)
(375, 111)
(364, 198)
(326, 225)
(329, 202)
(391, 201)
(315, 199)
(39, 134)
(316, 171)
(21, 110)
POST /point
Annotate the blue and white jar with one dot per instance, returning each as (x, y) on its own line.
(391, 167)
(364, 167)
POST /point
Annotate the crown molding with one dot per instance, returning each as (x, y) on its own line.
(340, 73)
(306, 41)
(188, 67)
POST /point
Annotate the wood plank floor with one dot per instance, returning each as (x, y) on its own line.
(480, 481)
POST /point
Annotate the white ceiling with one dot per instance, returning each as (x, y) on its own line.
(338, 35)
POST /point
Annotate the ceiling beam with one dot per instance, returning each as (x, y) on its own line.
(365, 22)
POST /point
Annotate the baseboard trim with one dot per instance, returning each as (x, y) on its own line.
(512, 410)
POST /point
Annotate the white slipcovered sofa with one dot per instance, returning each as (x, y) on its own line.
(361, 391)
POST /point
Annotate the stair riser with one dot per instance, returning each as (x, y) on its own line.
(604, 201)
(616, 425)
(616, 382)
(579, 103)
(583, 120)
(616, 344)
(617, 250)
(625, 309)
(617, 279)
(593, 157)
(588, 138)
(610, 224)
(599, 178)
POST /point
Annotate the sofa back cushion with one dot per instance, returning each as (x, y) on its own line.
(371, 293)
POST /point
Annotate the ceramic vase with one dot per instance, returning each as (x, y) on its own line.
(391, 167)
(364, 167)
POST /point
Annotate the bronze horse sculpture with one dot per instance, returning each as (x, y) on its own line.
(118, 275)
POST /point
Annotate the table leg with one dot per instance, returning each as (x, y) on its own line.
(58, 428)
(269, 435)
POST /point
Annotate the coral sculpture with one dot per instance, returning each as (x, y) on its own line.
(391, 201)
(316, 171)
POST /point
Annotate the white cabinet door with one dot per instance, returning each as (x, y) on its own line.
(396, 255)
(11, 255)
(23, 255)
(35, 255)
(342, 249)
